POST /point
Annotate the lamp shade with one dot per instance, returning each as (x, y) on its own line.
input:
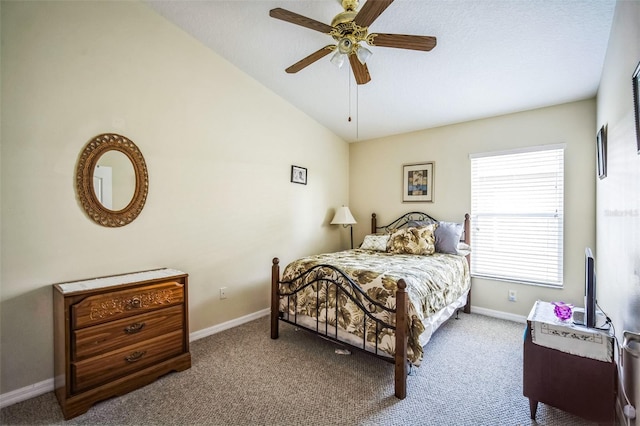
(343, 216)
(363, 54)
(338, 59)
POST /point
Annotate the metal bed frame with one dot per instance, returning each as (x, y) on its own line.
(332, 277)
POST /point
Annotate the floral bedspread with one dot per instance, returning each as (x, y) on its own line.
(433, 282)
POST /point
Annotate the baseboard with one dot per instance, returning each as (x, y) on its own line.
(27, 392)
(37, 389)
(498, 314)
(227, 325)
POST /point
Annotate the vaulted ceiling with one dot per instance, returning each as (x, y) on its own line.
(492, 57)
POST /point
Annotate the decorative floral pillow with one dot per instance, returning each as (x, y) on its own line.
(413, 240)
(375, 242)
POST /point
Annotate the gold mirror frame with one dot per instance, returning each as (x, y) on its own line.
(84, 180)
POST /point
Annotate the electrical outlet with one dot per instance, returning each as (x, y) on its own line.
(223, 292)
(512, 296)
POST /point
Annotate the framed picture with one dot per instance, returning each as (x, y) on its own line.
(298, 175)
(417, 182)
(601, 152)
(636, 104)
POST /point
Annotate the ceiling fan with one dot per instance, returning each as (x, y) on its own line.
(349, 29)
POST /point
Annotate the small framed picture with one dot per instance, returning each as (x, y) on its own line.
(601, 152)
(636, 103)
(298, 175)
(418, 182)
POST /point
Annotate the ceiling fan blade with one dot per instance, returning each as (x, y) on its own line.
(370, 12)
(294, 18)
(360, 70)
(310, 59)
(403, 41)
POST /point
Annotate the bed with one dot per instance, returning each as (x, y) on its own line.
(386, 297)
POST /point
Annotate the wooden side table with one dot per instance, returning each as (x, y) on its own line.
(577, 384)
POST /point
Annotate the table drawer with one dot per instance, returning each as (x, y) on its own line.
(101, 369)
(99, 339)
(121, 304)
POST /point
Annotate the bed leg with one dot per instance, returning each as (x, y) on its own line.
(275, 297)
(467, 307)
(402, 311)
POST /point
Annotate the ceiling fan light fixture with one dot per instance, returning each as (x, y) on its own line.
(345, 45)
(338, 59)
(363, 54)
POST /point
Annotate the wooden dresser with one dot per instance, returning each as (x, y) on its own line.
(118, 333)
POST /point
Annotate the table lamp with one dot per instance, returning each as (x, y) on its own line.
(344, 217)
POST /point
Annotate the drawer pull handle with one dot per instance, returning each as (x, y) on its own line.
(135, 356)
(134, 328)
(134, 303)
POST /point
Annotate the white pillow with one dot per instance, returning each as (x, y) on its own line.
(464, 249)
(375, 242)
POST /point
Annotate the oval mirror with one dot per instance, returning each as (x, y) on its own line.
(112, 180)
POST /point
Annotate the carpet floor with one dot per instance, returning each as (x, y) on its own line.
(471, 375)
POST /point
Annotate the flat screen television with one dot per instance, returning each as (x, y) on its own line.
(589, 289)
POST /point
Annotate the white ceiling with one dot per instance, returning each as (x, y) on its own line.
(493, 57)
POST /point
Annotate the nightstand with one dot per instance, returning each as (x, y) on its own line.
(569, 367)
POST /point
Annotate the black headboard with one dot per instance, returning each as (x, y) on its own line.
(400, 222)
(415, 216)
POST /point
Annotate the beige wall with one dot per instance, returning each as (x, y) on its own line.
(618, 195)
(376, 171)
(218, 148)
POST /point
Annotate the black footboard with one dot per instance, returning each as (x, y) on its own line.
(327, 282)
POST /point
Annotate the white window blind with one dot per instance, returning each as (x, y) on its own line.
(517, 215)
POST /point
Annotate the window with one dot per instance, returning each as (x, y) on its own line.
(517, 200)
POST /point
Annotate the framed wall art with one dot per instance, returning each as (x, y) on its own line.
(299, 175)
(636, 104)
(601, 152)
(418, 182)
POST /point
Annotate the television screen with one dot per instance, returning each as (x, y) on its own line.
(589, 289)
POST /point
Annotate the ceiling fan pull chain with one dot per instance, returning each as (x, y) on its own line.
(349, 84)
(357, 114)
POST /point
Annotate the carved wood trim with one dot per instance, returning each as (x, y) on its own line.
(84, 180)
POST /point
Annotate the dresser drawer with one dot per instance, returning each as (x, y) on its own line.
(103, 368)
(114, 305)
(99, 339)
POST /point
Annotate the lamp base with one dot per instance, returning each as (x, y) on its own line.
(351, 237)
